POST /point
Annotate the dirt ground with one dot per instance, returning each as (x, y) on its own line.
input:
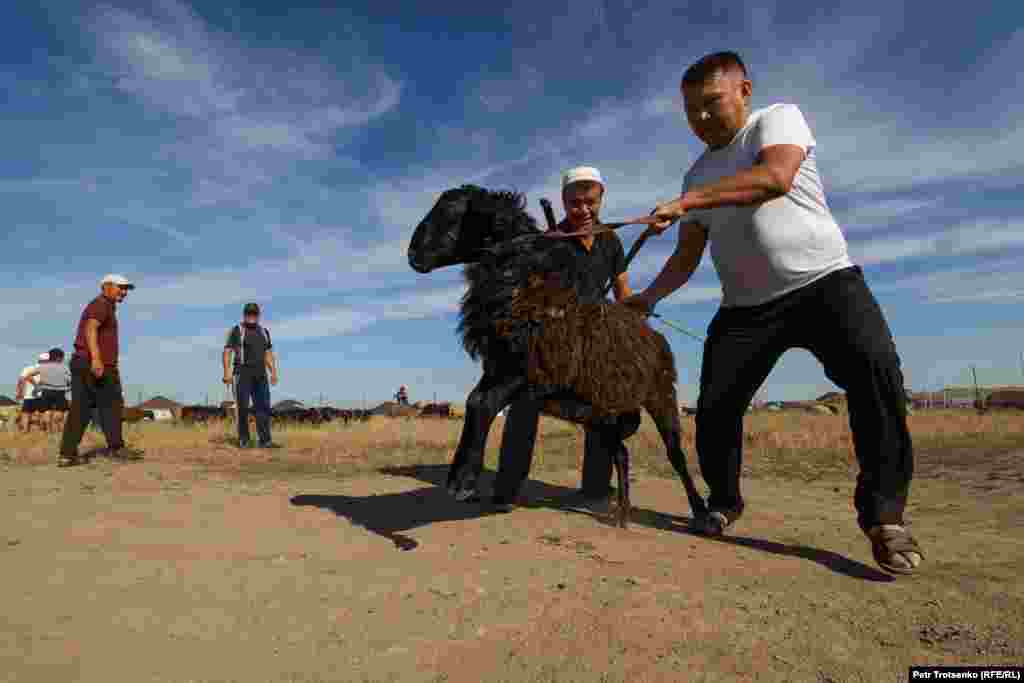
(158, 571)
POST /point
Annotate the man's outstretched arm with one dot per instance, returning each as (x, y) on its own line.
(769, 178)
(677, 271)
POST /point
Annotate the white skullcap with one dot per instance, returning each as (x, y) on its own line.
(581, 173)
(119, 280)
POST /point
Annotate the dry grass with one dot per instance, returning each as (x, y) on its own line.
(788, 444)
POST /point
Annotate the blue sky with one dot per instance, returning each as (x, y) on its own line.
(224, 152)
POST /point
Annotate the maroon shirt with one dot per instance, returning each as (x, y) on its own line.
(104, 311)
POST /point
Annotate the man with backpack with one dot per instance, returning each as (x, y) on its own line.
(249, 343)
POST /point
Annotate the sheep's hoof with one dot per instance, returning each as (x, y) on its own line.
(462, 487)
(464, 494)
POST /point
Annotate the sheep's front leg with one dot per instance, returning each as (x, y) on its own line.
(622, 471)
(486, 400)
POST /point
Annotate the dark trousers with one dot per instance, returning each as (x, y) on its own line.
(839, 321)
(253, 386)
(90, 394)
(516, 453)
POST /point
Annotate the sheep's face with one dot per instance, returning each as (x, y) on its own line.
(439, 239)
(464, 222)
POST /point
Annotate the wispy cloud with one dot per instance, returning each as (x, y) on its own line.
(977, 237)
(991, 281)
(326, 322)
(219, 166)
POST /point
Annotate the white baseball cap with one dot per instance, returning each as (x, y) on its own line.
(114, 279)
(581, 173)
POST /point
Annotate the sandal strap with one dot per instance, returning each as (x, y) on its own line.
(897, 542)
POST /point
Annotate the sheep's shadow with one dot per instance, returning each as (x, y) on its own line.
(389, 515)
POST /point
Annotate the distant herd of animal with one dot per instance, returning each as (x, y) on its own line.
(200, 414)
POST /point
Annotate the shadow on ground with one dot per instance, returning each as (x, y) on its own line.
(389, 515)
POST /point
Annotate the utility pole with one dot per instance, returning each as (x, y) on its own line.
(977, 393)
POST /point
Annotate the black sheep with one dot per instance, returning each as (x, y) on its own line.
(507, 255)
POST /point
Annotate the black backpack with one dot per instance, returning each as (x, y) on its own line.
(241, 341)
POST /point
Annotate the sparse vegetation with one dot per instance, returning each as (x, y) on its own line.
(793, 445)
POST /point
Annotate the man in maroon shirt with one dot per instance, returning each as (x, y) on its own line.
(95, 380)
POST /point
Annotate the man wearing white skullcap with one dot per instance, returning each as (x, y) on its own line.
(95, 377)
(601, 259)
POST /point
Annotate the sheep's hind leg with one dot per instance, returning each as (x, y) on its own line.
(666, 418)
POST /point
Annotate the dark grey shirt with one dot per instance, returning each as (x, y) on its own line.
(250, 348)
(606, 260)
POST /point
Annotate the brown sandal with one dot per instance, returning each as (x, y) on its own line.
(888, 542)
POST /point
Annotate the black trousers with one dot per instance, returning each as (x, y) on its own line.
(839, 321)
(88, 394)
(255, 387)
(516, 453)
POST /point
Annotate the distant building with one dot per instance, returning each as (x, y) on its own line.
(162, 407)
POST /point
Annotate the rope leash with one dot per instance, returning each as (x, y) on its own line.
(679, 328)
(549, 215)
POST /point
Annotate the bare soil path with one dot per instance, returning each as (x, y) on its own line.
(163, 572)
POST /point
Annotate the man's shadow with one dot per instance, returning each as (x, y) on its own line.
(391, 514)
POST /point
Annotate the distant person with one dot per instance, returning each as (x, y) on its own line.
(402, 396)
(52, 383)
(250, 345)
(95, 377)
(25, 393)
(787, 282)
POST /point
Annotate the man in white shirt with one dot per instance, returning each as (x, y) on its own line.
(26, 393)
(755, 194)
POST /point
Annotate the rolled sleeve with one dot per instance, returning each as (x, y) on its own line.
(784, 125)
(233, 340)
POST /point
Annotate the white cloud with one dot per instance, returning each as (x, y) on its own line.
(999, 281)
(974, 237)
(882, 212)
(325, 322)
(511, 93)
(245, 118)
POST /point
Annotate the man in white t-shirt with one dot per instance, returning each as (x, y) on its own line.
(26, 393)
(787, 282)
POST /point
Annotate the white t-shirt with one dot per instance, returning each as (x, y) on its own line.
(30, 387)
(766, 250)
